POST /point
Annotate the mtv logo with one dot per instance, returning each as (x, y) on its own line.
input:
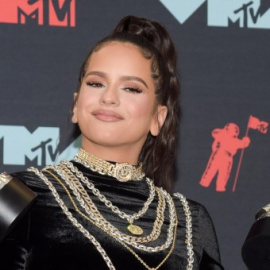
(248, 14)
(20, 144)
(40, 12)
(222, 13)
(41, 146)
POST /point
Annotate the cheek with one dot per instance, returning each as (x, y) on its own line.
(85, 99)
(141, 109)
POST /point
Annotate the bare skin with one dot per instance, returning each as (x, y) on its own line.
(116, 105)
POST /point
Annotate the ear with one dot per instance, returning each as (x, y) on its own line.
(74, 118)
(158, 120)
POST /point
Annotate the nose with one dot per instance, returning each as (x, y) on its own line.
(110, 96)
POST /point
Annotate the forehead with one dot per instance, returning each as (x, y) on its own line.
(114, 45)
(115, 53)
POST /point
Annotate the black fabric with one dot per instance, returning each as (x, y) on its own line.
(15, 200)
(256, 248)
(47, 240)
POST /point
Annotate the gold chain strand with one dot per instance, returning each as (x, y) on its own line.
(188, 241)
(86, 233)
(73, 220)
(121, 171)
(166, 257)
(99, 219)
(158, 222)
(160, 208)
(95, 191)
(122, 243)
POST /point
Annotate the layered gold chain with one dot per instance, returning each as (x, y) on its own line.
(69, 215)
(87, 204)
(74, 174)
(101, 197)
(93, 211)
(98, 220)
(112, 234)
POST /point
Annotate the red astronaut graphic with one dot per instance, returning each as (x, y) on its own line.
(225, 146)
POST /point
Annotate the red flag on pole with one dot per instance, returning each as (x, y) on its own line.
(253, 123)
(257, 124)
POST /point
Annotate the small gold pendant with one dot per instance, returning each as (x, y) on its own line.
(134, 229)
(123, 172)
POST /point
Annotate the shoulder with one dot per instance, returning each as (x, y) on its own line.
(196, 209)
(197, 213)
(22, 178)
(196, 216)
(30, 179)
(16, 198)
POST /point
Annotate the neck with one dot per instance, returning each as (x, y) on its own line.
(120, 154)
(121, 171)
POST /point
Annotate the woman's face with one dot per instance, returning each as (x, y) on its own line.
(116, 105)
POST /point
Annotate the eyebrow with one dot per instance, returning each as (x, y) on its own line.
(122, 78)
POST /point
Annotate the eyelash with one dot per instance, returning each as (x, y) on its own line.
(95, 84)
(132, 90)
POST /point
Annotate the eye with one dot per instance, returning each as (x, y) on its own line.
(95, 84)
(133, 90)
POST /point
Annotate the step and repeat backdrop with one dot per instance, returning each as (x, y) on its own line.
(224, 65)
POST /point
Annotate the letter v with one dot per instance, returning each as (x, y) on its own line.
(182, 9)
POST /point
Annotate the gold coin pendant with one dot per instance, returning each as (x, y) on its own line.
(134, 229)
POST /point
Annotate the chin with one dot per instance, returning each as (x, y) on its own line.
(104, 140)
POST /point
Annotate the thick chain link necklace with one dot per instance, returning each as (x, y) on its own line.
(121, 171)
(73, 174)
(92, 239)
(94, 214)
(72, 219)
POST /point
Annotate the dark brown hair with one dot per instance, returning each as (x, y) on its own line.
(158, 154)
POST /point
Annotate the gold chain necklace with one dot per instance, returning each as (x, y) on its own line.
(160, 208)
(96, 216)
(123, 172)
(134, 229)
(114, 237)
(190, 253)
(69, 215)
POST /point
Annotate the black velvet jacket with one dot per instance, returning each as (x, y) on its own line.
(46, 240)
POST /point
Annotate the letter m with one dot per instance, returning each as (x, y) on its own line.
(62, 12)
(21, 11)
(19, 144)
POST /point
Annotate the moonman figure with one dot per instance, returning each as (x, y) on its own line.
(225, 146)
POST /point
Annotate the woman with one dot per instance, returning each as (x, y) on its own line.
(102, 210)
